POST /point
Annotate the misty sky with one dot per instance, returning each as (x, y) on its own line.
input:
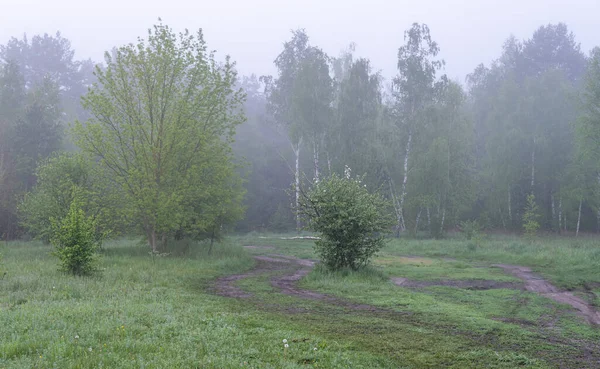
(252, 32)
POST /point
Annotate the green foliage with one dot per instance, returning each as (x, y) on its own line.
(75, 240)
(164, 112)
(531, 217)
(351, 221)
(470, 228)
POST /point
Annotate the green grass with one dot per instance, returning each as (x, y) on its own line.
(159, 312)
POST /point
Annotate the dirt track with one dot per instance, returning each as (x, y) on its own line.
(537, 284)
(288, 271)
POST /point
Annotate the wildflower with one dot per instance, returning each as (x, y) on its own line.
(89, 349)
(315, 349)
(53, 287)
(286, 345)
(284, 340)
(76, 336)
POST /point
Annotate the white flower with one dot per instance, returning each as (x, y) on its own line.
(286, 345)
(315, 349)
(284, 340)
(76, 336)
(53, 287)
(90, 349)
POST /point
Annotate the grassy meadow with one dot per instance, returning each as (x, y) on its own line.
(146, 311)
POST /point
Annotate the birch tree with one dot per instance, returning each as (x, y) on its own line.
(413, 91)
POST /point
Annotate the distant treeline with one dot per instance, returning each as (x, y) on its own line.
(441, 151)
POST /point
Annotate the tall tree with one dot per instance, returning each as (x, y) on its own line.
(414, 89)
(164, 112)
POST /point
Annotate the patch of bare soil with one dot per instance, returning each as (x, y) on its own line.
(469, 284)
(253, 247)
(537, 284)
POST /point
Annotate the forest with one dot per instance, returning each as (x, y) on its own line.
(441, 151)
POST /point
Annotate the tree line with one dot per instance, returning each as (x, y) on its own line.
(164, 140)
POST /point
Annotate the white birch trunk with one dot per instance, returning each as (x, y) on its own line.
(417, 220)
(578, 218)
(553, 211)
(328, 162)
(533, 166)
(405, 178)
(316, 160)
(509, 207)
(297, 182)
(442, 222)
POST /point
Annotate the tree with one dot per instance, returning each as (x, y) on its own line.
(414, 89)
(312, 97)
(163, 116)
(282, 102)
(358, 107)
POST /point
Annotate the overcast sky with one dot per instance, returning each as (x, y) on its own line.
(252, 32)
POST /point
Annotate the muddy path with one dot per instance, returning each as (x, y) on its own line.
(537, 284)
(287, 271)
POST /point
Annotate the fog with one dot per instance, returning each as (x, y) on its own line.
(469, 32)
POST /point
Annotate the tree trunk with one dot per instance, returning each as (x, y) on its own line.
(428, 219)
(151, 233)
(559, 214)
(553, 211)
(328, 162)
(417, 221)
(212, 240)
(316, 160)
(405, 178)
(297, 182)
(397, 208)
(509, 208)
(442, 222)
(578, 218)
(533, 166)
(502, 218)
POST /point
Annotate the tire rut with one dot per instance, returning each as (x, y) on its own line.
(539, 285)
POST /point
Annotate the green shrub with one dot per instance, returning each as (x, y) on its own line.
(350, 220)
(530, 218)
(470, 229)
(75, 241)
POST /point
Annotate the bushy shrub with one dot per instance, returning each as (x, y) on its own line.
(470, 229)
(75, 241)
(351, 221)
(531, 217)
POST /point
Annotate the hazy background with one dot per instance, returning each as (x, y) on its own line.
(252, 32)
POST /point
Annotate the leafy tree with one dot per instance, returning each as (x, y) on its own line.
(358, 108)
(52, 196)
(75, 241)
(164, 112)
(351, 221)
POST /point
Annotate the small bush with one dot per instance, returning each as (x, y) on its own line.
(75, 241)
(351, 221)
(470, 229)
(531, 216)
